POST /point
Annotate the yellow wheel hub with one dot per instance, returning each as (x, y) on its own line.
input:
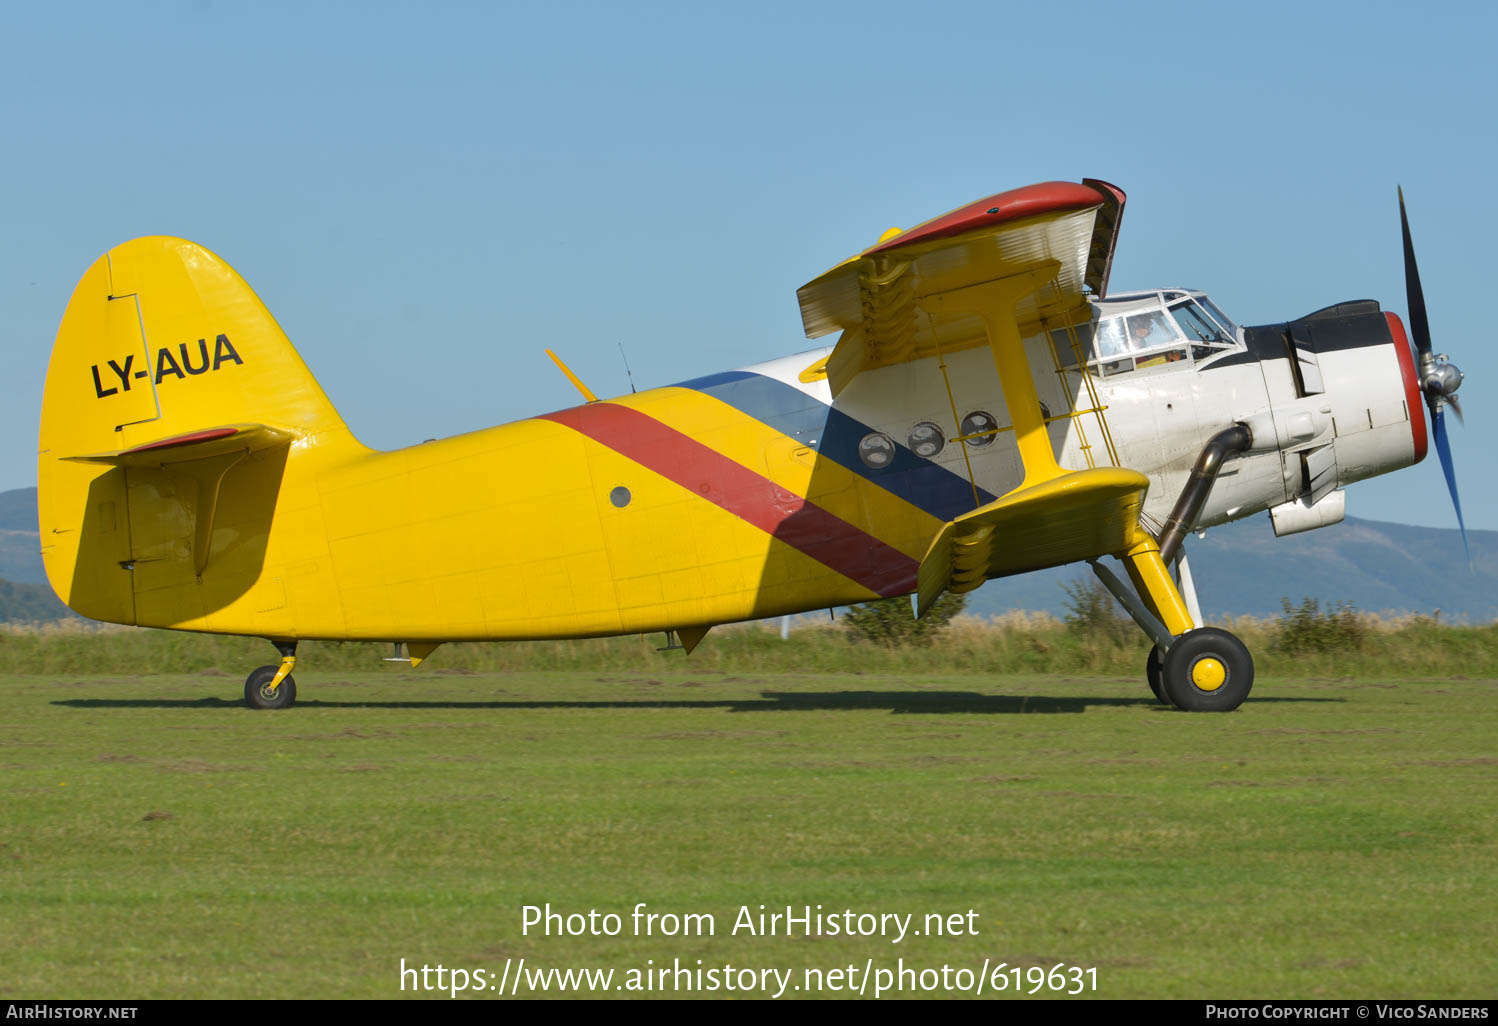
(1208, 674)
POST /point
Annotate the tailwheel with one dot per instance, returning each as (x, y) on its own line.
(1154, 672)
(259, 694)
(1207, 670)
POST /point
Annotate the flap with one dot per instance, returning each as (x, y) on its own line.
(1079, 515)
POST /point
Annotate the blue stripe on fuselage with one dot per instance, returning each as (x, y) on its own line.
(835, 435)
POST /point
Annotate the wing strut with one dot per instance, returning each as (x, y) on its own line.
(1055, 515)
(994, 302)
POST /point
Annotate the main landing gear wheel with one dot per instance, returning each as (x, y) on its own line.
(258, 694)
(1207, 670)
(1154, 672)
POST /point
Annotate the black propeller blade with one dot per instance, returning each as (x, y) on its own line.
(1414, 295)
(1439, 379)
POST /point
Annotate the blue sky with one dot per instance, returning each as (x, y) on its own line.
(427, 195)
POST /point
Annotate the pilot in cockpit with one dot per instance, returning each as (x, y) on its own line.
(1148, 330)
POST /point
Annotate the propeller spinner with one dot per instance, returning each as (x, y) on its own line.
(1439, 378)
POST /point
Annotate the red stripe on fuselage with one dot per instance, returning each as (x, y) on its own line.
(802, 524)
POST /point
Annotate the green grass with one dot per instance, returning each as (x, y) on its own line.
(1334, 838)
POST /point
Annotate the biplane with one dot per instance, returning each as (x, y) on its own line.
(989, 408)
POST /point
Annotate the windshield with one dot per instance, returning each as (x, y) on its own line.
(1222, 318)
(1189, 329)
(1196, 325)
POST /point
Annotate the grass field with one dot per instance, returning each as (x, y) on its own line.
(1335, 837)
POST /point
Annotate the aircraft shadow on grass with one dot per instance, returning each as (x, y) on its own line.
(897, 702)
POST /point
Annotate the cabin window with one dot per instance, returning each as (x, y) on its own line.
(926, 440)
(877, 450)
(979, 428)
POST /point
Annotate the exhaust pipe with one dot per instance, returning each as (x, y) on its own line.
(1220, 448)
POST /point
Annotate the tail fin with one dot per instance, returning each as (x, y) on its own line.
(172, 404)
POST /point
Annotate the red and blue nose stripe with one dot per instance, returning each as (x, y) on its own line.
(920, 482)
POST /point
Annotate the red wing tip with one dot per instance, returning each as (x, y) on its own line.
(1001, 207)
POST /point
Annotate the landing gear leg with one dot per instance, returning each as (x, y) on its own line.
(272, 687)
(1198, 669)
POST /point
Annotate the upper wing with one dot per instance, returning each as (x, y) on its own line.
(879, 298)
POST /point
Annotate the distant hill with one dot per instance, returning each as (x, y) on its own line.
(31, 603)
(18, 510)
(1242, 568)
(25, 595)
(20, 545)
(1239, 568)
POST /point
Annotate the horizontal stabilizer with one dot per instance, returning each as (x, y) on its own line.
(198, 460)
(1079, 515)
(195, 445)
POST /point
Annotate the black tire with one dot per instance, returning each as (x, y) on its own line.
(1154, 673)
(257, 697)
(1208, 670)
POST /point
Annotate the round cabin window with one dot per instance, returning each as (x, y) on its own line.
(877, 450)
(926, 440)
(982, 423)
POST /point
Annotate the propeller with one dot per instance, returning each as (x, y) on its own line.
(1439, 377)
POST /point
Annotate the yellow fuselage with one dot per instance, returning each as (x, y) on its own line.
(667, 509)
(193, 475)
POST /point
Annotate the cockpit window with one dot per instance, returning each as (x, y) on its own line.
(1190, 329)
(1222, 318)
(1196, 325)
(1150, 329)
(1175, 355)
(1110, 338)
(1070, 342)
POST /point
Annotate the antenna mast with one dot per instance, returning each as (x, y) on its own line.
(627, 372)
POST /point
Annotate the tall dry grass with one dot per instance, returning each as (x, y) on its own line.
(1387, 647)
